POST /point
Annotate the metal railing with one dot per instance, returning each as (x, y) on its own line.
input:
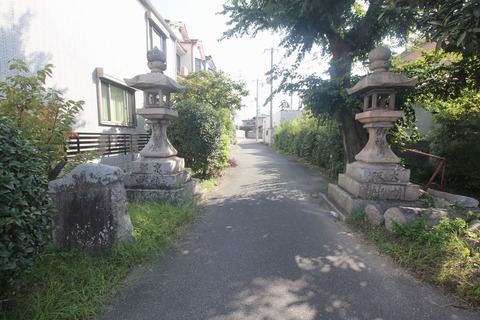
(441, 166)
(104, 144)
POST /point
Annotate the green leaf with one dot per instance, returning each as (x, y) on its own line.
(461, 38)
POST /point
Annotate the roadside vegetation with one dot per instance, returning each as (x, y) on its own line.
(39, 281)
(204, 129)
(447, 254)
(315, 140)
(72, 284)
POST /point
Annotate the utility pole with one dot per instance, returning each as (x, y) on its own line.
(270, 140)
(256, 118)
(271, 98)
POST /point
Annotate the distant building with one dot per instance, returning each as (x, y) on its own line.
(190, 54)
(251, 124)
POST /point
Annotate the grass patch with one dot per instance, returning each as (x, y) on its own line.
(446, 254)
(209, 184)
(75, 285)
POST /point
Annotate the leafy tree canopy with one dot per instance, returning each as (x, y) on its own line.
(453, 24)
(215, 89)
(345, 30)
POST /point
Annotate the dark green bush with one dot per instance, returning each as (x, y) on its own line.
(457, 139)
(25, 213)
(451, 89)
(315, 140)
(198, 137)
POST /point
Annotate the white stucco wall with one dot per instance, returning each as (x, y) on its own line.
(77, 36)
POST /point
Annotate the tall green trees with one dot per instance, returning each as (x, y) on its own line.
(453, 24)
(346, 30)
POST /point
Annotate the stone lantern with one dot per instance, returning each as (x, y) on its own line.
(158, 174)
(376, 173)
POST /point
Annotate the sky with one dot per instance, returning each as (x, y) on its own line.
(243, 58)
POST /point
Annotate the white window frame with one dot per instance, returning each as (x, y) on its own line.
(129, 111)
(156, 34)
(155, 31)
(199, 65)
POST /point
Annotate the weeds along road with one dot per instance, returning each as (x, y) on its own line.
(266, 247)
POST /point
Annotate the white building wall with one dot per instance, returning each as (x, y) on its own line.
(77, 36)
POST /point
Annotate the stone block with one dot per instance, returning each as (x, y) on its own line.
(463, 201)
(371, 190)
(188, 192)
(157, 181)
(412, 192)
(345, 200)
(377, 173)
(374, 214)
(92, 210)
(158, 165)
(392, 217)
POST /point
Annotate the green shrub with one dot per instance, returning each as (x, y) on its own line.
(204, 129)
(25, 213)
(197, 136)
(457, 139)
(450, 87)
(315, 140)
(43, 116)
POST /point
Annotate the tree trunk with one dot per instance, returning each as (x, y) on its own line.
(354, 136)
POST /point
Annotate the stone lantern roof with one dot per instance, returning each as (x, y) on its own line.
(155, 79)
(379, 59)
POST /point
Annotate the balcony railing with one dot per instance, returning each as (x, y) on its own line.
(104, 144)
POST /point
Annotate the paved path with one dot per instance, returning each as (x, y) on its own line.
(266, 247)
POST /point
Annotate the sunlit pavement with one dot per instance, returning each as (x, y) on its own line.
(266, 246)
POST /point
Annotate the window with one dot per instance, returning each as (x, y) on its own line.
(178, 63)
(117, 104)
(157, 38)
(198, 64)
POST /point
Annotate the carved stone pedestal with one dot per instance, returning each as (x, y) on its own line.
(162, 179)
(364, 183)
(376, 175)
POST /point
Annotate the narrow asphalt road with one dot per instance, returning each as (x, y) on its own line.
(266, 247)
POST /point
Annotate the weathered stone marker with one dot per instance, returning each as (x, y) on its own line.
(92, 208)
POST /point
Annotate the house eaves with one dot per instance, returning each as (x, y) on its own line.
(180, 26)
(148, 5)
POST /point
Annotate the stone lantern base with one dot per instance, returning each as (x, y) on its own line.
(160, 179)
(364, 183)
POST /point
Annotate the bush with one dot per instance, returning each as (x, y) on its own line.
(456, 139)
(44, 117)
(204, 129)
(198, 137)
(315, 140)
(450, 87)
(25, 213)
